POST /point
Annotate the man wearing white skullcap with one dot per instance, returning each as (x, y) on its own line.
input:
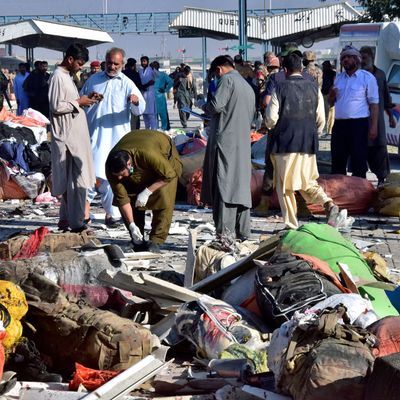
(355, 97)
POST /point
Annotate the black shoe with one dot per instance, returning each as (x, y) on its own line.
(113, 223)
(242, 238)
(139, 247)
(28, 364)
(381, 182)
(154, 248)
(82, 228)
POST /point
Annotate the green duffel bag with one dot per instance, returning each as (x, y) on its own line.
(327, 244)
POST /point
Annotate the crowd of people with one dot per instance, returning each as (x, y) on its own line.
(97, 148)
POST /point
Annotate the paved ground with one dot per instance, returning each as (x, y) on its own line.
(23, 216)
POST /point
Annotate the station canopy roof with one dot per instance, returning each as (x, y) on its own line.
(301, 26)
(34, 33)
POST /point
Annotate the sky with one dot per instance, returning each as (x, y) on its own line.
(151, 45)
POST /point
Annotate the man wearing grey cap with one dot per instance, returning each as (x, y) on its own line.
(356, 98)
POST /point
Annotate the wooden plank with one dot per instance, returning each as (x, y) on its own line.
(167, 289)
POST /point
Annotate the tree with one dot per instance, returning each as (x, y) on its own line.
(376, 9)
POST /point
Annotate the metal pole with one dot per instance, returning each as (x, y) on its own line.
(204, 61)
(243, 28)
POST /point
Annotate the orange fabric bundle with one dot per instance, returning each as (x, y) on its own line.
(91, 379)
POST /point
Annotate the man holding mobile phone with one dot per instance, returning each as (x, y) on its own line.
(109, 120)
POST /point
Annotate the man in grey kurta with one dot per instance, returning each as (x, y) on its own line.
(71, 153)
(227, 163)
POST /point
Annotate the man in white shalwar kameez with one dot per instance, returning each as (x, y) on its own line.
(109, 120)
(296, 116)
(147, 76)
(71, 155)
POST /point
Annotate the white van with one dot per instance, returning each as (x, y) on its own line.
(384, 37)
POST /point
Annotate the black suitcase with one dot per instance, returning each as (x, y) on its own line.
(287, 284)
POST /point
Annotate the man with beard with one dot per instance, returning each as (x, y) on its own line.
(131, 72)
(356, 99)
(147, 77)
(36, 86)
(109, 120)
(71, 156)
(378, 157)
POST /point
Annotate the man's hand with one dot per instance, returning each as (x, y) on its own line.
(392, 122)
(372, 133)
(333, 92)
(134, 99)
(143, 197)
(136, 235)
(85, 101)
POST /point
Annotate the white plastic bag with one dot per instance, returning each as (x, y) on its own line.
(355, 304)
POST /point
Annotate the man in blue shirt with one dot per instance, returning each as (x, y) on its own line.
(356, 99)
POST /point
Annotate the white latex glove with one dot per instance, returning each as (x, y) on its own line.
(135, 232)
(143, 197)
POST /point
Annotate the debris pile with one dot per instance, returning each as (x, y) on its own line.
(302, 314)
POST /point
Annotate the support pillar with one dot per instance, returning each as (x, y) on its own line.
(243, 28)
(204, 63)
(29, 56)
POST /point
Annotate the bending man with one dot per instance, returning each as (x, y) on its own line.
(143, 171)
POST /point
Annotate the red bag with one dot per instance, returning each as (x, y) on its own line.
(341, 188)
(91, 379)
(387, 331)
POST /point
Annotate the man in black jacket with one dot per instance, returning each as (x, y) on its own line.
(296, 115)
(131, 72)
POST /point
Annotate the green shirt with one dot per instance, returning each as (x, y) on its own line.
(154, 158)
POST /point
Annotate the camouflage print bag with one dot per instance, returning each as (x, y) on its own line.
(327, 361)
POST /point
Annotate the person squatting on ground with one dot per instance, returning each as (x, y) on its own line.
(227, 162)
(143, 171)
(296, 115)
(109, 119)
(378, 157)
(356, 100)
(71, 153)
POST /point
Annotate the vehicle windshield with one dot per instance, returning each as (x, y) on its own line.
(394, 78)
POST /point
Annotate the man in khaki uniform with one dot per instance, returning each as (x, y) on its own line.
(143, 170)
(309, 58)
